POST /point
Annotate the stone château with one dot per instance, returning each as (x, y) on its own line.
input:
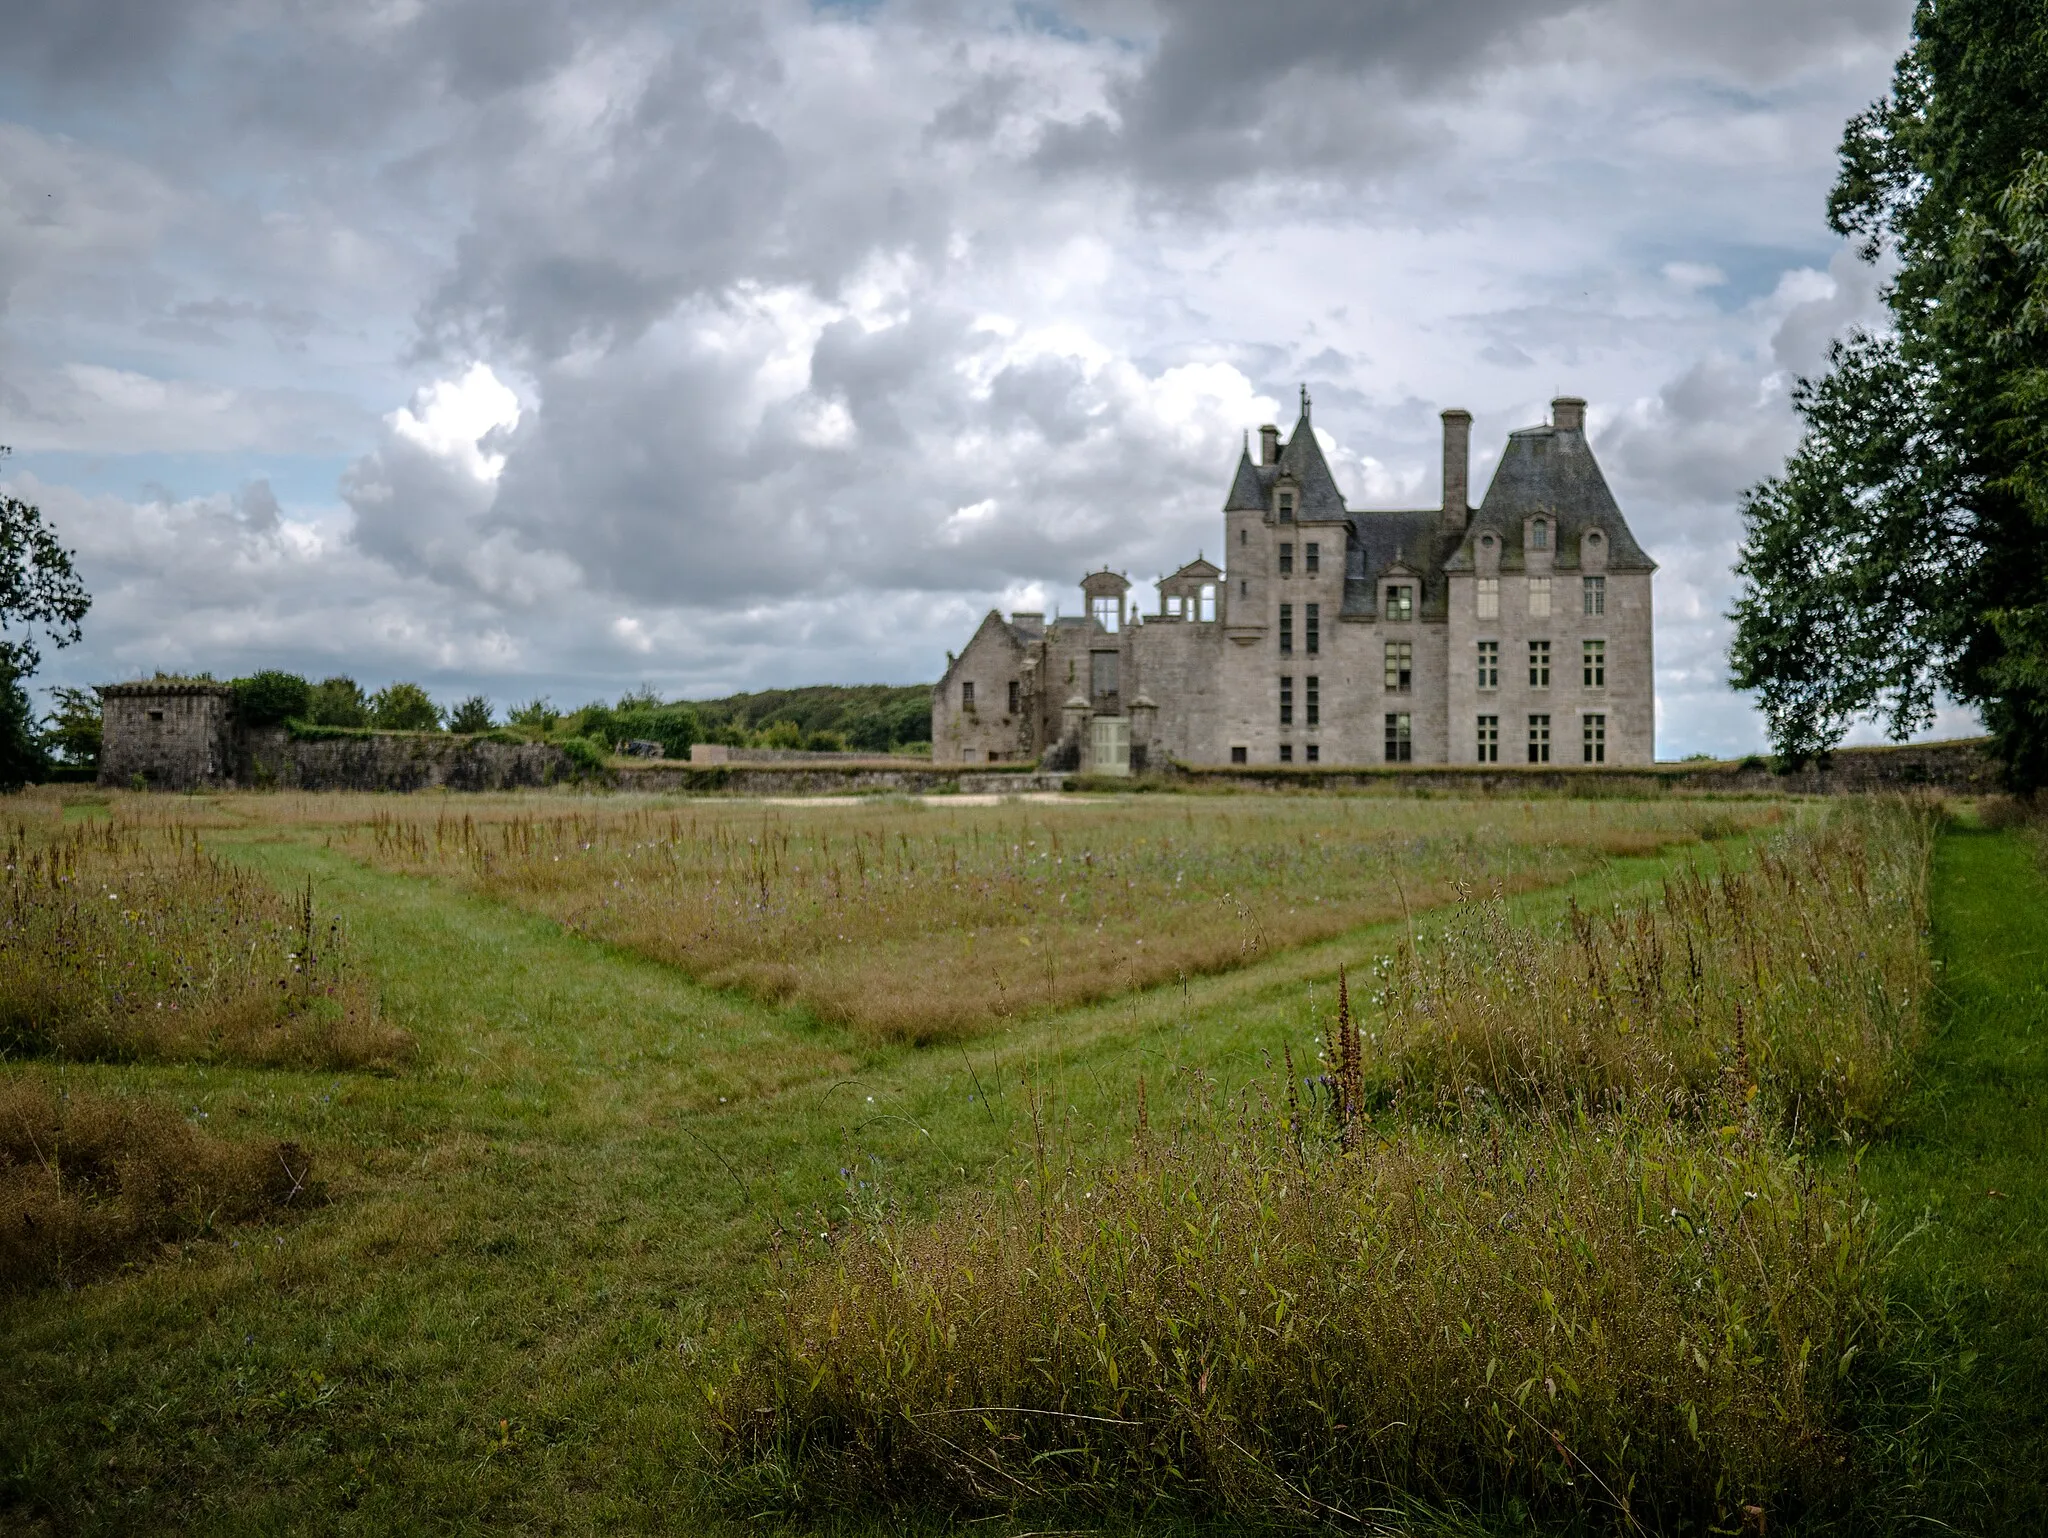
(1517, 632)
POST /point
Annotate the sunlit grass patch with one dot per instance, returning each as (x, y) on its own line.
(915, 922)
(121, 943)
(90, 1181)
(1801, 978)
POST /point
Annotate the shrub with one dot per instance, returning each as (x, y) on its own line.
(1625, 1321)
(586, 758)
(74, 729)
(404, 707)
(338, 701)
(271, 698)
(786, 735)
(536, 715)
(21, 748)
(472, 716)
(675, 727)
(88, 1180)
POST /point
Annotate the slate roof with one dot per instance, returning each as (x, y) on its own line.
(1550, 470)
(1251, 489)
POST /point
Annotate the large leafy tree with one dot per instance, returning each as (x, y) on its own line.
(1904, 550)
(39, 591)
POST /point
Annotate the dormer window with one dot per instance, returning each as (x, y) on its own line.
(1593, 538)
(1108, 611)
(1486, 541)
(1400, 601)
(1287, 507)
(1539, 535)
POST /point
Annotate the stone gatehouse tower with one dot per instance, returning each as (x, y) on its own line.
(1517, 632)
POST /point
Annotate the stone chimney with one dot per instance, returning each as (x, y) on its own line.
(1032, 624)
(1568, 414)
(1457, 469)
(1269, 445)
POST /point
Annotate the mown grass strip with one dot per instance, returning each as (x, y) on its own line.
(1970, 1443)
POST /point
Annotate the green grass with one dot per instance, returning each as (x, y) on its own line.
(536, 1231)
(1972, 1161)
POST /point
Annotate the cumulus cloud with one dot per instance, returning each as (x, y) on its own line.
(551, 346)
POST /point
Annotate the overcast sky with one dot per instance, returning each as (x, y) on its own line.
(560, 346)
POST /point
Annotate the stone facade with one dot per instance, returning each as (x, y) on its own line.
(1517, 632)
(167, 735)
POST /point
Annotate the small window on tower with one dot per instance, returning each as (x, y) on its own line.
(1286, 559)
(1287, 507)
(1312, 558)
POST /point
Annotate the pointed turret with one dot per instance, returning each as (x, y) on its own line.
(1302, 461)
(1247, 492)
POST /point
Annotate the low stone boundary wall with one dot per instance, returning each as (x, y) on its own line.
(912, 778)
(397, 761)
(1961, 768)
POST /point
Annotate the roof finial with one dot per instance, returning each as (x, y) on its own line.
(1304, 398)
(1247, 440)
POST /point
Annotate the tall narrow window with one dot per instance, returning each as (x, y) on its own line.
(1400, 737)
(1287, 507)
(1108, 611)
(1286, 559)
(1173, 606)
(1208, 610)
(1596, 595)
(966, 696)
(1595, 739)
(1539, 739)
(1311, 558)
(1595, 664)
(1486, 598)
(1400, 601)
(1539, 597)
(1489, 664)
(1539, 664)
(1287, 630)
(1312, 627)
(1489, 739)
(1286, 700)
(1539, 535)
(1400, 666)
(1016, 695)
(1312, 700)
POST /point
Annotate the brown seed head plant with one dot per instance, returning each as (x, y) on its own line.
(1628, 1322)
(132, 943)
(1800, 980)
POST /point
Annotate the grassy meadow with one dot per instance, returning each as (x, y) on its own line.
(1001, 912)
(1579, 1210)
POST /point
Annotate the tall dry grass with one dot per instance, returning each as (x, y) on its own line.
(1626, 1321)
(90, 1181)
(129, 943)
(1799, 979)
(996, 911)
